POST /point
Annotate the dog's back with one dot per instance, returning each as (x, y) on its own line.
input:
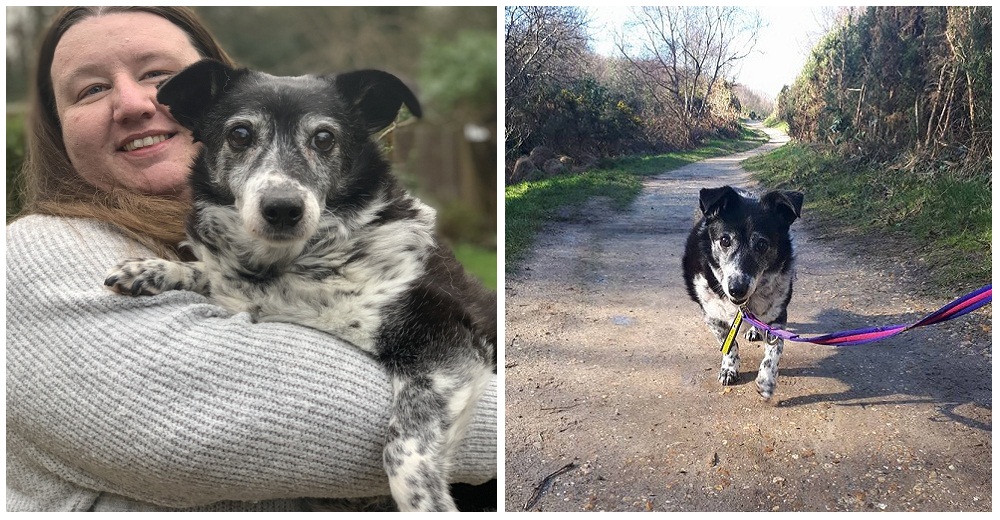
(459, 297)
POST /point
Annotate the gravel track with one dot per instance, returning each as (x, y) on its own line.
(609, 367)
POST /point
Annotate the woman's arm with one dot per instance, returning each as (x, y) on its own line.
(171, 400)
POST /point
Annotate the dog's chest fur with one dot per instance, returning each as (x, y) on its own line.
(767, 303)
(341, 282)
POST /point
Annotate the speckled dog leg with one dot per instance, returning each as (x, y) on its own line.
(730, 371)
(767, 376)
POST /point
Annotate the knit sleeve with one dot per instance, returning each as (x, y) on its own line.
(171, 400)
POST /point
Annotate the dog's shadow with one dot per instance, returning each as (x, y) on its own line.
(946, 364)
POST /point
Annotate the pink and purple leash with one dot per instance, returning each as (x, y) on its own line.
(959, 307)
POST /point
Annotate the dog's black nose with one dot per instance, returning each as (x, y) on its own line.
(739, 288)
(283, 212)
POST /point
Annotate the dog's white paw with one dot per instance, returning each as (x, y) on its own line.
(143, 276)
(767, 379)
(766, 384)
(767, 375)
(728, 376)
(730, 371)
(754, 334)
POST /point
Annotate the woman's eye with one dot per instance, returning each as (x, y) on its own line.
(323, 141)
(156, 74)
(93, 89)
(240, 137)
(157, 77)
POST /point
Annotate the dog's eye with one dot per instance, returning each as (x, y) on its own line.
(323, 141)
(725, 241)
(761, 245)
(240, 137)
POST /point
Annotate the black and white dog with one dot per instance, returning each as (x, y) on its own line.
(740, 254)
(298, 219)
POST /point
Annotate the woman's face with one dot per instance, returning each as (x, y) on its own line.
(104, 75)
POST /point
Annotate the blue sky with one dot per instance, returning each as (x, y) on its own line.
(781, 51)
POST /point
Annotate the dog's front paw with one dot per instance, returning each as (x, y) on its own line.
(728, 376)
(730, 370)
(142, 276)
(766, 385)
(754, 334)
(767, 376)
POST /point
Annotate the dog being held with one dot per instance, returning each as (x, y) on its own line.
(298, 219)
(740, 254)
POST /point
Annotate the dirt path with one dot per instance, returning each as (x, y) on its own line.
(609, 367)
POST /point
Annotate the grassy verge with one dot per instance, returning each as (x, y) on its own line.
(771, 122)
(528, 205)
(940, 220)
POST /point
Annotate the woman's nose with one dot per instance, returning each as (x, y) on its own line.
(133, 101)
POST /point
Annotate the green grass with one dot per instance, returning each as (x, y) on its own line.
(480, 262)
(943, 220)
(771, 122)
(528, 205)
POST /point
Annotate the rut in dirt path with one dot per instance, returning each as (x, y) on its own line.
(610, 367)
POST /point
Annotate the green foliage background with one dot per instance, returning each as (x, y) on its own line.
(15, 157)
(561, 95)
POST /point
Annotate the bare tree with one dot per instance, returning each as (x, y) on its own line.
(686, 52)
(543, 46)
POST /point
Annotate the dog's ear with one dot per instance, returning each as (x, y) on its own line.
(788, 204)
(191, 91)
(714, 200)
(378, 96)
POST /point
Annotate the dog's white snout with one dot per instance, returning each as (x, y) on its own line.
(738, 286)
(278, 209)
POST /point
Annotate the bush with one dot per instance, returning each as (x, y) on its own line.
(583, 117)
(901, 85)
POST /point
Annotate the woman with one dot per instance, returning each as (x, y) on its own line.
(165, 402)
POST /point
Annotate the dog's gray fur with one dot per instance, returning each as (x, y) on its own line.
(292, 228)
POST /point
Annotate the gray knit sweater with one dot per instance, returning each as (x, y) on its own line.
(162, 402)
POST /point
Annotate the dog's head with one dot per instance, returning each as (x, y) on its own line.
(748, 235)
(284, 149)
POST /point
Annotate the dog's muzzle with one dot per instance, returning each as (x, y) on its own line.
(282, 213)
(738, 288)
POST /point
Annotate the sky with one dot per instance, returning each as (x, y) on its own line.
(781, 51)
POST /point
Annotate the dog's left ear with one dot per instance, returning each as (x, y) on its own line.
(788, 204)
(713, 200)
(378, 95)
(191, 91)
